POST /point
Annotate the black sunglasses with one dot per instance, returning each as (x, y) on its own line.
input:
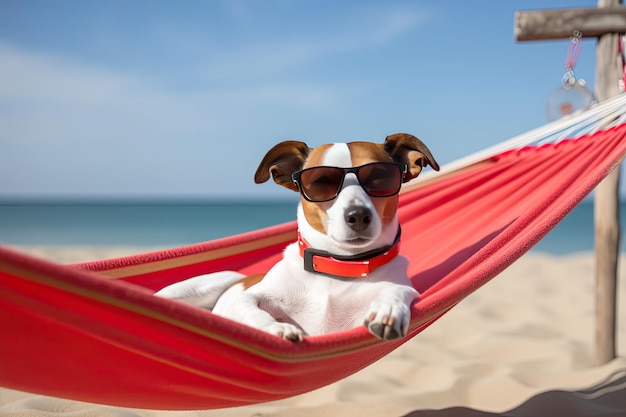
(378, 179)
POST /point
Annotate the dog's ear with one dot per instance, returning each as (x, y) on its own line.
(407, 149)
(281, 161)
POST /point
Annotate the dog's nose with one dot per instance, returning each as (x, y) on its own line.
(358, 217)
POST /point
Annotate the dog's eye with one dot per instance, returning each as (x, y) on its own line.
(322, 180)
(376, 174)
(380, 180)
(377, 182)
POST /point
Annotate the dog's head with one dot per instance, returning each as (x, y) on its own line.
(349, 190)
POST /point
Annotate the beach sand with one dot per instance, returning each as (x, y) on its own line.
(520, 346)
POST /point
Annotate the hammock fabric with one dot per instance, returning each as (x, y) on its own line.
(94, 331)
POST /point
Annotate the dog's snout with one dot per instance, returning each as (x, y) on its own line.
(358, 217)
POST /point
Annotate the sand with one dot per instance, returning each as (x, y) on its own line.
(520, 346)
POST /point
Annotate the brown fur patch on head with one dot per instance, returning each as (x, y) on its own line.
(366, 152)
(316, 156)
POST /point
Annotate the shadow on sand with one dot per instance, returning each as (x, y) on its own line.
(608, 398)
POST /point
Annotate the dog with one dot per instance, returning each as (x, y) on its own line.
(345, 269)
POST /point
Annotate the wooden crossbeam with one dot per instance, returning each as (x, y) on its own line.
(535, 25)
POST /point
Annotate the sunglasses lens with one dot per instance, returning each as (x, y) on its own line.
(380, 180)
(321, 183)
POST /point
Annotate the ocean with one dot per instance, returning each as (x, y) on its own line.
(170, 224)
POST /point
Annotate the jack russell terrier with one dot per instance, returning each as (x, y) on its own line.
(345, 269)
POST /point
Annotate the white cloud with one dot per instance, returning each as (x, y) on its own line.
(56, 99)
(67, 126)
(70, 128)
(370, 29)
(39, 77)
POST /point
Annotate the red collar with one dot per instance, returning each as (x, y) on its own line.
(357, 266)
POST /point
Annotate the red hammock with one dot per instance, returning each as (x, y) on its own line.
(94, 332)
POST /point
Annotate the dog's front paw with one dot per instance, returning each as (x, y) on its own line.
(387, 320)
(286, 331)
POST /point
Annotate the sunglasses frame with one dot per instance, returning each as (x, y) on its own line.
(296, 178)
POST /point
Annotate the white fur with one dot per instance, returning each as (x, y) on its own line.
(203, 290)
(291, 302)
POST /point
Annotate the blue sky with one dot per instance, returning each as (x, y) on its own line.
(163, 99)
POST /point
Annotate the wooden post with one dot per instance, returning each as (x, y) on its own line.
(606, 208)
(606, 22)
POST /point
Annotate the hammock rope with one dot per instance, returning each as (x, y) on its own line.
(601, 116)
(94, 331)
